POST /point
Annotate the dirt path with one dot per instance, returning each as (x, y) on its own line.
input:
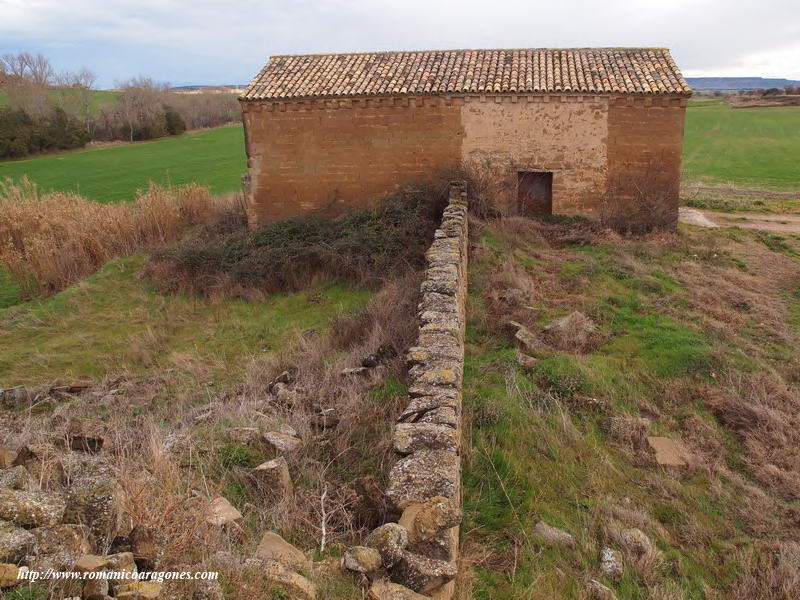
(767, 222)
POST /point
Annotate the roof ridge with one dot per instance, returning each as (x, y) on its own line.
(639, 48)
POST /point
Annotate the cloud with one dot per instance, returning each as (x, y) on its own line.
(212, 41)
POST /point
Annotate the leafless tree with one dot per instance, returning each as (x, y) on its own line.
(140, 104)
(35, 69)
(14, 64)
(74, 95)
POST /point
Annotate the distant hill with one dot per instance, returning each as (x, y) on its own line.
(738, 83)
(200, 88)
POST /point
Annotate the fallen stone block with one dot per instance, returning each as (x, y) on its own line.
(272, 478)
(222, 512)
(669, 452)
(597, 591)
(553, 535)
(274, 547)
(292, 584)
(390, 540)
(282, 442)
(386, 590)
(42, 461)
(635, 542)
(94, 495)
(16, 478)
(325, 419)
(95, 589)
(15, 542)
(31, 509)
(362, 559)
(9, 575)
(60, 546)
(138, 590)
(526, 338)
(611, 563)
(143, 547)
(421, 574)
(86, 435)
(7, 457)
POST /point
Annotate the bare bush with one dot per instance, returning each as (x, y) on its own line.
(48, 241)
(642, 202)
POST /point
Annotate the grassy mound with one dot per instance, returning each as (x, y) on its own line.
(365, 247)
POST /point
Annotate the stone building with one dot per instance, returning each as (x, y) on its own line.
(549, 131)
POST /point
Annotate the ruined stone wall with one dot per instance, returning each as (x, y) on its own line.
(425, 482)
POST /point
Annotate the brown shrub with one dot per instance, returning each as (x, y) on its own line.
(48, 241)
(366, 246)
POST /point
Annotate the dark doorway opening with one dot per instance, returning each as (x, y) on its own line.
(535, 193)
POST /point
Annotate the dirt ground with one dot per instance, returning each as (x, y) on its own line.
(784, 223)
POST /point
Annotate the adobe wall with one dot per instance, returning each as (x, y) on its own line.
(645, 143)
(328, 155)
(563, 134)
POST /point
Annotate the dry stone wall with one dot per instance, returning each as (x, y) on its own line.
(425, 482)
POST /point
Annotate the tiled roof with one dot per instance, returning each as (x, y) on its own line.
(581, 70)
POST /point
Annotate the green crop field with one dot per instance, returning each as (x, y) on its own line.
(100, 98)
(213, 157)
(748, 147)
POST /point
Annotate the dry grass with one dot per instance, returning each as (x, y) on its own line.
(655, 299)
(771, 572)
(171, 457)
(51, 240)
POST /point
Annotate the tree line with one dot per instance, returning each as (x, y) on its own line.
(47, 110)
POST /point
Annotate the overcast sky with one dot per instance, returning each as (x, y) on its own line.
(220, 42)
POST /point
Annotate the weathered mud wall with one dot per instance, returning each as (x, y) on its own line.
(563, 134)
(326, 156)
(331, 155)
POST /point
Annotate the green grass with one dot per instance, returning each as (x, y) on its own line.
(114, 322)
(9, 290)
(749, 147)
(214, 158)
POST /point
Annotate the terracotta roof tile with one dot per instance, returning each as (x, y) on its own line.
(581, 70)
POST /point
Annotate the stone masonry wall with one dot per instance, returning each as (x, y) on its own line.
(425, 482)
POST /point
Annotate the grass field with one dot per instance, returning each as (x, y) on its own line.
(748, 147)
(114, 322)
(100, 98)
(214, 158)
